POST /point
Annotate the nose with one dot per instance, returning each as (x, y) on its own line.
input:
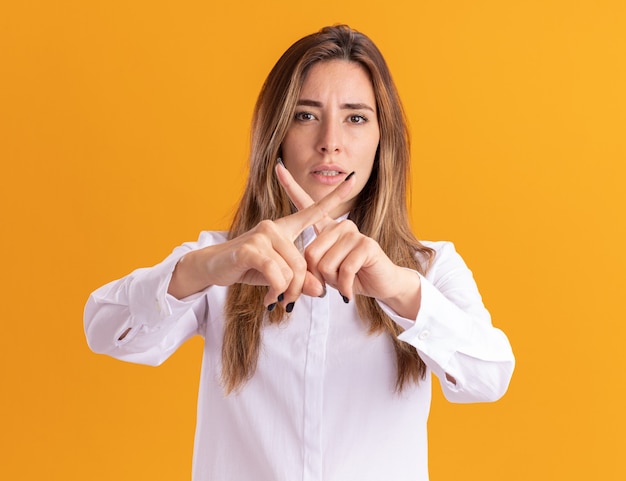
(330, 138)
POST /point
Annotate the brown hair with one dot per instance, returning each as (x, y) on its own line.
(380, 210)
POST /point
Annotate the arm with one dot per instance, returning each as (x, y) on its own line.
(442, 313)
(135, 319)
(145, 316)
(454, 335)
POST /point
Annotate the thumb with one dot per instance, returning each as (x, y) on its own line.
(313, 286)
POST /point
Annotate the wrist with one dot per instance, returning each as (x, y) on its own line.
(406, 297)
(187, 277)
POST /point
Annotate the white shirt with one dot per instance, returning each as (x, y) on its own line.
(321, 405)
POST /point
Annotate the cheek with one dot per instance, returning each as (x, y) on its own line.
(370, 154)
(290, 148)
(373, 142)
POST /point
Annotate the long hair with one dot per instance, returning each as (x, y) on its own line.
(380, 210)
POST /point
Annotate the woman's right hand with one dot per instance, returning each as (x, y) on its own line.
(265, 255)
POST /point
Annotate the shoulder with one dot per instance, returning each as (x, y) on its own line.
(206, 238)
(444, 250)
(439, 246)
(446, 260)
(211, 237)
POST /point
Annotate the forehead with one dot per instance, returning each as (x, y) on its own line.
(339, 77)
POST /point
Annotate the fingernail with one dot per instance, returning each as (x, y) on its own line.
(289, 306)
(345, 299)
(271, 307)
(323, 294)
(280, 161)
(350, 175)
(281, 297)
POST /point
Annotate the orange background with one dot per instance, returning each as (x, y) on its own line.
(124, 132)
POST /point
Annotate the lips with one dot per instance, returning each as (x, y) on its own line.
(328, 170)
(328, 174)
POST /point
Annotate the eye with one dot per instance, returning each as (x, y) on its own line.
(304, 116)
(357, 119)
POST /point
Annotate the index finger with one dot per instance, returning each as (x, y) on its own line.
(315, 213)
(298, 196)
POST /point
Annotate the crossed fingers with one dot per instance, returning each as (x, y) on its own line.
(328, 258)
(310, 213)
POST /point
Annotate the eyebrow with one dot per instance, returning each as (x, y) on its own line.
(346, 106)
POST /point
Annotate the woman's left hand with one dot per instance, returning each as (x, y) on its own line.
(344, 258)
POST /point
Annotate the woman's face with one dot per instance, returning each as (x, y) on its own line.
(334, 130)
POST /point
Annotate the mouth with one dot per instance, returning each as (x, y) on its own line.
(328, 173)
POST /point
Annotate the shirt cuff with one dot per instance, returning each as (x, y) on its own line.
(439, 328)
(149, 302)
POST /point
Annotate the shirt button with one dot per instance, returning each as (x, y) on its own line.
(424, 334)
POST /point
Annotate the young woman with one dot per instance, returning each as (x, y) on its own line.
(323, 316)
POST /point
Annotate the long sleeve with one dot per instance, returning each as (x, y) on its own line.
(454, 335)
(134, 318)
